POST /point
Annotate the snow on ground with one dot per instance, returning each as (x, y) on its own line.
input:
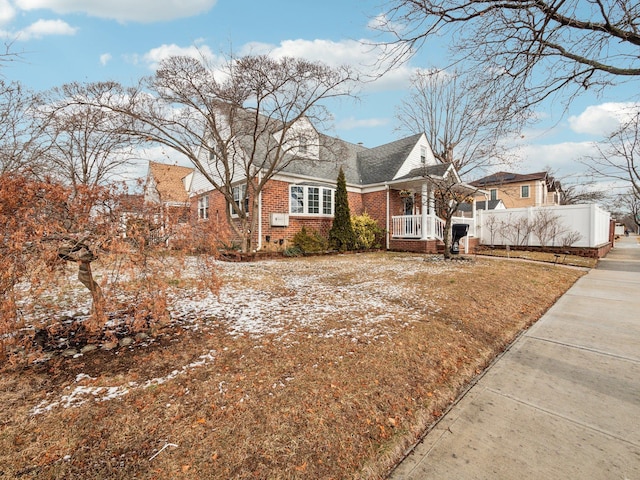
(272, 297)
(362, 297)
(86, 392)
(276, 296)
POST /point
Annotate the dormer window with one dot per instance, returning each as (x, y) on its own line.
(303, 148)
(213, 155)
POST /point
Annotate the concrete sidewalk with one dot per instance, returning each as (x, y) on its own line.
(563, 402)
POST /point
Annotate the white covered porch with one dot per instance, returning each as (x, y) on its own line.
(426, 227)
(411, 211)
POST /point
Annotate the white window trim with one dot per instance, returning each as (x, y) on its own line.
(242, 188)
(305, 201)
(203, 207)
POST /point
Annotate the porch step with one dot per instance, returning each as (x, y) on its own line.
(440, 247)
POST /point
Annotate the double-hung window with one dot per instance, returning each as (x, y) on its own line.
(311, 200)
(240, 195)
(203, 207)
(494, 194)
(524, 191)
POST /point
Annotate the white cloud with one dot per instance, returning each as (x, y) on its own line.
(105, 58)
(601, 119)
(351, 123)
(564, 158)
(7, 12)
(43, 28)
(123, 10)
(361, 55)
(154, 56)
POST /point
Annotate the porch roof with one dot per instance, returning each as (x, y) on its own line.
(435, 175)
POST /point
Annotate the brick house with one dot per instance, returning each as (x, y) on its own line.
(521, 190)
(394, 183)
(166, 196)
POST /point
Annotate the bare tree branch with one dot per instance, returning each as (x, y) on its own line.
(533, 48)
(240, 122)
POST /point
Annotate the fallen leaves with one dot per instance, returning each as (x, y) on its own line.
(336, 403)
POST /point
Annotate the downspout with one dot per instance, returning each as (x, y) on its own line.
(424, 193)
(259, 214)
(387, 227)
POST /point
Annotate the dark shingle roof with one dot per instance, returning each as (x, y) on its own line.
(427, 171)
(501, 178)
(334, 153)
(380, 164)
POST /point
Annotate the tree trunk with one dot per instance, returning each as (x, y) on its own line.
(447, 238)
(86, 278)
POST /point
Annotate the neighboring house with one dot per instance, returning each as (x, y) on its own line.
(466, 209)
(128, 207)
(167, 187)
(394, 183)
(521, 190)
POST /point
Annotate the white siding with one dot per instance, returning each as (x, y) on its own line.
(413, 159)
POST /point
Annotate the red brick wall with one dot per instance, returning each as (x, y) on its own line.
(375, 204)
(417, 246)
(275, 199)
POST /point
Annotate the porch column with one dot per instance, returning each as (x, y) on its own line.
(473, 215)
(432, 211)
(425, 200)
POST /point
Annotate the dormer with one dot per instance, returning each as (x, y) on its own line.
(301, 139)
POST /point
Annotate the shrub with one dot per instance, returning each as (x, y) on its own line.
(341, 235)
(309, 242)
(292, 252)
(367, 232)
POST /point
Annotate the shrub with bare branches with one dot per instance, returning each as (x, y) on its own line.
(45, 228)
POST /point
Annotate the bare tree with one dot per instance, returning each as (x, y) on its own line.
(449, 193)
(89, 144)
(530, 48)
(241, 122)
(627, 208)
(619, 154)
(464, 121)
(546, 226)
(21, 138)
(575, 194)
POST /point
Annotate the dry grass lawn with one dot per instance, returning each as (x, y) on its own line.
(323, 368)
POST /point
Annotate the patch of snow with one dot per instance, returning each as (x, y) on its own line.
(81, 394)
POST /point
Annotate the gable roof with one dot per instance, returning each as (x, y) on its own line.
(438, 170)
(381, 164)
(361, 165)
(501, 178)
(168, 181)
(333, 154)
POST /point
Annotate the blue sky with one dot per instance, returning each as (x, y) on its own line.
(88, 40)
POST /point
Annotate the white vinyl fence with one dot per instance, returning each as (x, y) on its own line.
(558, 225)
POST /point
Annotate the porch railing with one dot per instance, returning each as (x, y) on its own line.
(411, 226)
(407, 226)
